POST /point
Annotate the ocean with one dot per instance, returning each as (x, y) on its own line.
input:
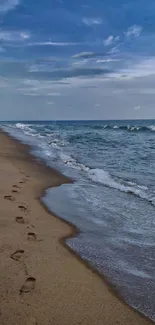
(112, 199)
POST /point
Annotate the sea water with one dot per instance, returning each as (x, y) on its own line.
(112, 200)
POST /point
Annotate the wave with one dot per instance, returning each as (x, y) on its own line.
(28, 130)
(103, 177)
(135, 127)
(131, 128)
(22, 126)
(97, 175)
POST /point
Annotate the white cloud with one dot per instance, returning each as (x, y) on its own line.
(7, 5)
(24, 35)
(110, 40)
(80, 63)
(49, 43)
(13, 36)
(83, 54)
(134, 31)
(115, 49)
(91, 21)
(107, 60)
(144, 67)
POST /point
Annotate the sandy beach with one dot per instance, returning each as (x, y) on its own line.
(42, 282)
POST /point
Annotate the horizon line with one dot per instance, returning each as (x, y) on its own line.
(80, 120)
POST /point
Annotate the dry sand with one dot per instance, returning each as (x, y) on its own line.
(41, 281)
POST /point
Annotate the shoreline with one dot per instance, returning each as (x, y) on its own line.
(72, 231)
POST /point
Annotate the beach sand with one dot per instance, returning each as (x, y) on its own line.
(41, 281)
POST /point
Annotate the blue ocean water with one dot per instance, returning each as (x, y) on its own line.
(112, 200)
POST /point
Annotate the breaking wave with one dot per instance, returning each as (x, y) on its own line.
(129, 128)
(96, 175)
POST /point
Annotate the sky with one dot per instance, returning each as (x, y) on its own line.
(77, 59)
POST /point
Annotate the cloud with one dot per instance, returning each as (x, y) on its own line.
(133, 31)
(87, 55)
(84, 55)
(107, 60)
(144, 67)
(91, 21)
(80, 62)
(115, 49)
(10, 36)
(24, 35)
(65, 73)
(110, 40)
(49, 43)
(7, 5)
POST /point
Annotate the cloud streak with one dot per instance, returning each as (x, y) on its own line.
(111, 40)
(85, 55)
(49, 43)
(89, 21)
(88, 55)
(14, 36)
(133, 31)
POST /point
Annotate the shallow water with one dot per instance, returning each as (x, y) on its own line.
(112, 200)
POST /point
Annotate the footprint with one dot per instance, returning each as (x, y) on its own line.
(15, 191)
(9, 197)
(22, 208)
(20, 220)
(17, 255)
(28, 286)
(21, 182)
(15, 186)
(31, 236)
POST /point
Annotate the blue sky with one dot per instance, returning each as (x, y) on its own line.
(63, 59)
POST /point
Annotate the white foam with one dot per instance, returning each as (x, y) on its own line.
(142, 187)
(56, 143)
(152, 128)
(99, 176)
(26, 129)
(103, 177)
(20, 126)
(71, 162)
(132, 127)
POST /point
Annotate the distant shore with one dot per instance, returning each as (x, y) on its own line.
(42, 282)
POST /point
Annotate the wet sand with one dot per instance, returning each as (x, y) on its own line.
(41, 281)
